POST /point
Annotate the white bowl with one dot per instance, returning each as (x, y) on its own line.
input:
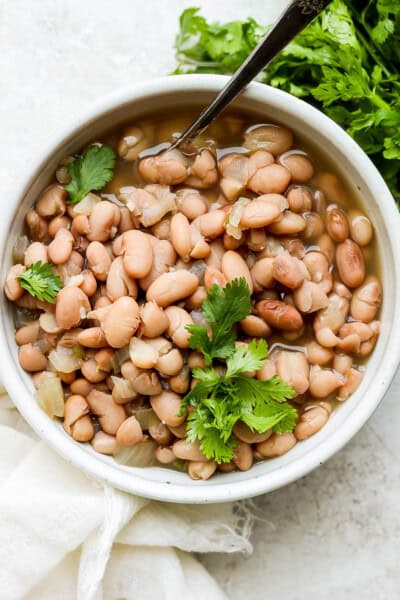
(353, 165)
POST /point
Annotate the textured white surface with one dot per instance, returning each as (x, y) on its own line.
(336, 533)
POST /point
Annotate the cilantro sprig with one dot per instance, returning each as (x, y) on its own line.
(91, 171)
(346, 62)
(40, 281)
(219, 402)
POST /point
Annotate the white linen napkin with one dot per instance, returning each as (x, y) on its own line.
(65, 536)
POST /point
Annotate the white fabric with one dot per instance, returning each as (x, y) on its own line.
(64, 536)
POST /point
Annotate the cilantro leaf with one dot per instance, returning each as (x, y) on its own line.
(222, 309)
(247, 358)
(91, 171)
(40, 281)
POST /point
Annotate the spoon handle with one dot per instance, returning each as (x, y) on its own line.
(297, 15)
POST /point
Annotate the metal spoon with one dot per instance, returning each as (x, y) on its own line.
(297, 15)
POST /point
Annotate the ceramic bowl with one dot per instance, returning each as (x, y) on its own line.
(356, 169)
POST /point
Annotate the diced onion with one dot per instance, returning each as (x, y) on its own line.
(140, 455)
(50, 395)
(122, 355)
(20, 246)
(48, 323)
(147, 418)
(198, 268)
(233, 221)
(86, 205)
(73, 280)
(64, 360)
(123, 387)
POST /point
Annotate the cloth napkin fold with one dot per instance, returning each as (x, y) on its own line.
(65, 536)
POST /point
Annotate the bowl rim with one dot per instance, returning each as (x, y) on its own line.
(260, 483)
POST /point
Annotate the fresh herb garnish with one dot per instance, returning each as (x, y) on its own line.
(91, 171)
(40, 281)
(347, 63)
(220, 400)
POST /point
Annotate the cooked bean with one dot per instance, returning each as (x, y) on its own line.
(129, 432)
(161, 434)
(318, 267)
(197, 298)
(91, 372)
(273, 138)
(143, 355)
(81, 387)
(314, 225)
(99, 260)
(310, 297)
(260, 212)
(288, 224)
(366, 300)
(52, 202)
(188, 451)
(212, 224)
(180, 383)
(110, 414)
(293, 368)
(143, 382)
(105, 359)
(191, 203)
(337, 224)
(243, 456)
(273, 179)
(279, 315)
(92, 337)
(75, 407)
(60, 249)
(201, 470)
(262, 273)
(299, 199)
(352, 381)
(326, 246)
(299, 165)
(204, 172)
(82, 430)
(311, 421)
(342, 363)
(178, 319)
(324, 382)
(123, 311)
(105, 443)
(89, 283)
(289, 270)
(133, 141)
(165, 456)
(154, 321)
(234, 169)
(31, 358)
(256, 240)
(360, 228)
(119, 283)
(317, 354)
(254, 326)
(164, 257)
(35, 252)
(350, 263)
(137, 253)
(171, 287)
(196, 360)
(276, 445)
(167, 406)
(27, 334)
(37, 226)
(72, 306)
(181, 236)
(213, 276)
(103, 221)
(168, 168)
(234, 266)
(330, 319)
(245, 434)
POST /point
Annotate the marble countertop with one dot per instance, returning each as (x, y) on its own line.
(333, 535)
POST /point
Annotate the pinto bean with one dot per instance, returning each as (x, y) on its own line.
(27, 334)
(168, 168)
(360, 228)
(324, 382)
(124, 312)
(197, 298)
(342, 363)
(72, 306)
(145, 383)
(103, 221)
(317, 354)
(318, 267)
(256, 240)
(37, 226)
(350, 263)
(60, 249)
(212, 224)
(129, 432)
(201, 470)
(35, 252)
(133, 142)
(245, 434)
(273, 138)
(260, 212)
(52, 201)
(181, 236)
(292, 367)
(164, 257)
(254, 326)
(273, 179)
(243, 456)
(75, 408)
(171, 287)
(161, 434)
(99, 260)
(276, 445)
(262, 273)
(314, 225)
(289, 270)
(337, 224)
(110, 415)
(180, 382)
(234, 266)
(188, 451)
(204, 172)
(105, 443)
(119, 282)
(191, 203)
(234, 169)
(82, 430)
(143, 355)
(311, 421)
(154, 321)
(164, 455)
(167, 406)
(137, 253)
(91, 372)
(330, 319)
(366, 300)
(92, 337)
(213, 276)
(279, 315)
(178, 319)
(352, 381)
(310, 297)
(289, 223)
(299, 199)
(299, 165)
(89, 283)
(81, 387)
(31, 358)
